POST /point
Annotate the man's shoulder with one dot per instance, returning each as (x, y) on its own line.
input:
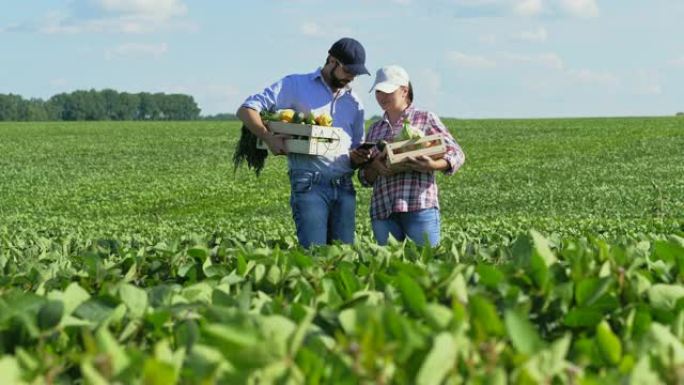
(301, 77)
(354, 97)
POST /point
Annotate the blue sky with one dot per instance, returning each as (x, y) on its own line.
(466, 58)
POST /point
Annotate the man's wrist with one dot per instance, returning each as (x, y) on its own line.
(265, 135)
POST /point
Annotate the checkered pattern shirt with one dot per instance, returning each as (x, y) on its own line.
(411, 190)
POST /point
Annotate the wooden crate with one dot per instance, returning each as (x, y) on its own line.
(308, 139)
(304, 130)
(398, 152)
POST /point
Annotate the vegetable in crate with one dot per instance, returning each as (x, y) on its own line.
(286, 115)
(324, 119)
(298, 118)
(408, 132)
(311, 119)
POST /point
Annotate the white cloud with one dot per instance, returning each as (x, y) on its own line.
(310, 29)
(137, 50)
(488, 39)
(313, 29)
(677, 62)
(594, 78)
(538, 35)
(126, 16)
(428, 87)
(470, 61)
(58, 82)
(213, 98)
(650, 89)
(475, 3)
(580, 8)
(400, 2)
(528, 7)
(646, 82)
(152, 9)
(549, 60)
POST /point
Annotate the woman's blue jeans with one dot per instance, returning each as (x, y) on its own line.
(323, 208)
(419, 226)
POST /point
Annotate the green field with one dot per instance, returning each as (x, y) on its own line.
(133, 252)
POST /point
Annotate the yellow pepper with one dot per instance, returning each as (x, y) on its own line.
(286, 115)
(324, 119)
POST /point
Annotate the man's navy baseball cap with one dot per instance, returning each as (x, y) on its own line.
(351, 54)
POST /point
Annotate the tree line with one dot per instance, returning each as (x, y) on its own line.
(100, 105)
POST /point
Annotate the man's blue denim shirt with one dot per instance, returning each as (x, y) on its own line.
(309, 93)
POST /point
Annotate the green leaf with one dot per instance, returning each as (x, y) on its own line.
(485, 317)
(542, 249)
(438, 316)
(661, 341)
(72, 297)
(163, 353)
(412, 294)
(299, 334)
(522, 333)
(94, 310)
(608, 343)
(489, 275)
(665, 297)
(186, 333)
(533, 254)
(329, 294)
(198, 252)
(274, 275)
(108, 345)
(545, 364)
(135, 300)
(458, 289)
(27, 361)
(277, 330)
(582, 317)
(10, 372)
(199, 292)
(439, 362)
(347, 318)
(156, 372)
(347, 281)
(230, 335)
(50, 314)
(585, 288)
(640, 323)
(643, 374)
(91, 375)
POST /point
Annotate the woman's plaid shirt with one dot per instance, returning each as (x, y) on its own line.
(412, 190)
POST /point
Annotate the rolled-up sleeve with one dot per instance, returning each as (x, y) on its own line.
(268, 99)
(454, 154)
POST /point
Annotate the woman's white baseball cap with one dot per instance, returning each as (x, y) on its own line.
(389, 78)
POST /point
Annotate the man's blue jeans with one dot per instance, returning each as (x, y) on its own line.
(417, 225)
(323, 208)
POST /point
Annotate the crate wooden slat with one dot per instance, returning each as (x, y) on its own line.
(310, 146)
(398, 152)
(311, 139)
(303, 130)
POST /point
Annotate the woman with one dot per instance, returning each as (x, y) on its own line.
(405, 203)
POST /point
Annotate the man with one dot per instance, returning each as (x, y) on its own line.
(323, 198)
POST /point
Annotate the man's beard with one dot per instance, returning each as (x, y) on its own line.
(336, 82)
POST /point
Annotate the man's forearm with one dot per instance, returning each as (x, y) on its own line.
(252, 120)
